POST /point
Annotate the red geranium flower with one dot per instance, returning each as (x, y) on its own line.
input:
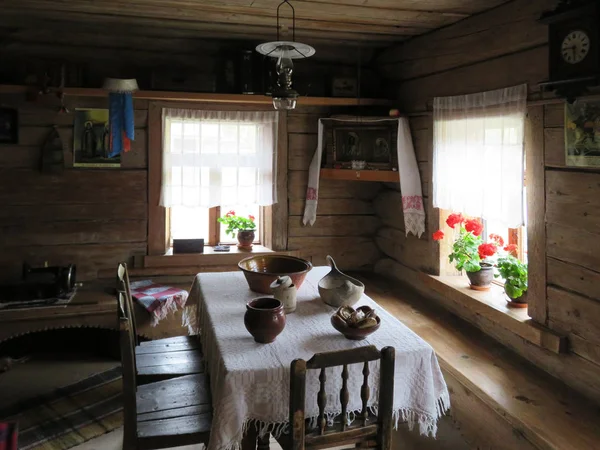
(438, 235)
(512, 249)
(486, 250)
(474, 226)
(497, 239)
(251, 217)
(454, 219)
(230, 213)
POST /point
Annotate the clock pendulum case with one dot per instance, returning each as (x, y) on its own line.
(574, 47)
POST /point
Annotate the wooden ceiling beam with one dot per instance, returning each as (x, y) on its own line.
(461, 7)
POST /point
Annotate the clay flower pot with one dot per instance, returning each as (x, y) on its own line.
(519, 302)
(264, 319)
(245, 239)
(482, 279)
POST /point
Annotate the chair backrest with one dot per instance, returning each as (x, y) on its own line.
(127, 346)
(379, 432)
(125, 288)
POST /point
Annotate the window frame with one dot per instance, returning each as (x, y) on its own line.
(273, 232)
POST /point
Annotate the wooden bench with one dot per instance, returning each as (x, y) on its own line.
(499, 400)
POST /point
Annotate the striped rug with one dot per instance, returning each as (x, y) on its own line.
(71, 415)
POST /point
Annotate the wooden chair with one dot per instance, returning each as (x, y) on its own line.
(163, 358)
(367, 430)
(163, 414)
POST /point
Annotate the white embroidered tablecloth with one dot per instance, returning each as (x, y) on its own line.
(250, 381)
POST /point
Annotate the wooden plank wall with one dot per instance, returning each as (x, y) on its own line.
(93, 218)
(505, 47)
(346, 221)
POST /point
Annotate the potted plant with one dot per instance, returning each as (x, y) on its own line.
(242, 226)
(514, 273)
(469, 252)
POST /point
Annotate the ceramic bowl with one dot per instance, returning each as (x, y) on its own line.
(261, 270)
(355, 334)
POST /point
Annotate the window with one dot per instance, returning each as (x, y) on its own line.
(211, 161)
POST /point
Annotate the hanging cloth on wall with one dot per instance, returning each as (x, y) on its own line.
(410, 180)
(122, 126)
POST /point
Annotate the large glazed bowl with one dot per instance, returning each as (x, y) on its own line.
(261, 270)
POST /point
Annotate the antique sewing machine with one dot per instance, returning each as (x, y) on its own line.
(44, 285)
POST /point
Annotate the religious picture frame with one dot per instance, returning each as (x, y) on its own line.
(9, 126)
(372, 144)
(582, 134)
(91, 139)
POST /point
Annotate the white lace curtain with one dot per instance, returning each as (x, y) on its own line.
(478, 156)
(213, 158)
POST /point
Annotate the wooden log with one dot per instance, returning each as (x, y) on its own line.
(352, 253)
(443, 50)
(572, 200)
(333, 207)
(24, 214)
(20, 157)
(573, 278)
(528, 66)
(304, 123)
(335, 226)
(298, 181)
(25, 187)
(576, 315)
(301, 149)
(423, 143)
(554, 116)
(73, 232)
(34, 115)
(89, 258)
(408, 250)
(573, 245)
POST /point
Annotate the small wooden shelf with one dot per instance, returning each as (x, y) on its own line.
(206, 97)
(360, 175)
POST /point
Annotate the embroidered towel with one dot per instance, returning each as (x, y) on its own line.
(159, 300)
(410, 180)
(122, 128)
(314, 171)
(8, 435)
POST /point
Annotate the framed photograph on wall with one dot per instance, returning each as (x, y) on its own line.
(9, 126)
(91, 139)
(582, 134)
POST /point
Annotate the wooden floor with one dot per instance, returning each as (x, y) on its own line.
(499, 400)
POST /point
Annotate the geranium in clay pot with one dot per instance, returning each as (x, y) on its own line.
(515, 277)
(241, 227)
(469, 252)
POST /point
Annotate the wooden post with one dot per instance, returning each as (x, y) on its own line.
(536, 214)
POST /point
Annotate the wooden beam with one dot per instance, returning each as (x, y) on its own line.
(536, 214)
(157, 215)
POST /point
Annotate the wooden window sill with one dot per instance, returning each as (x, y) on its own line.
(208, 258)
(492, 304)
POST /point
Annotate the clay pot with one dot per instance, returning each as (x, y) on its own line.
(520, 302)
(264, 319)
(245, 239)
(482, 279)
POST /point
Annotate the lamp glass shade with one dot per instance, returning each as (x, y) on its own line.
(284, 102)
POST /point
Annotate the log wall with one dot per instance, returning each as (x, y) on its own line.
(98, 217)
(496, 49)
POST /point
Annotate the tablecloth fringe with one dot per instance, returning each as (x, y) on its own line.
(189, 319)
(427, 424)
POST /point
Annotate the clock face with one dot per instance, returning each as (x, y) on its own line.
(575, 46)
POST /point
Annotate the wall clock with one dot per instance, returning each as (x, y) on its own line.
(574, 46)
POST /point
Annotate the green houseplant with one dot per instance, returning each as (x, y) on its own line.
(469, 252)
(514, 273)
(243, 227)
